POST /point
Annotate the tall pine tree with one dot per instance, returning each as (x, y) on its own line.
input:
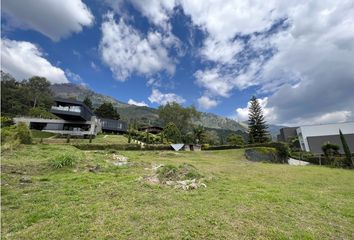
(348, 154)
(256, 123)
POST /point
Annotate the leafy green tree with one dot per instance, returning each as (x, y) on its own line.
(39, 90)
(348, 154)
(87, 101)
(14, 97)
(180, 116)
(18, 97)
(256, 123)
(210, 137)
(235, 139)
(198, 133)
(40, 113)
(107, 110)
(172, 133)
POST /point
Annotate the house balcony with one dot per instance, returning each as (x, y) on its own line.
(71, 113)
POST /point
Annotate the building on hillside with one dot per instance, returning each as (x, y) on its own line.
(151, 129)
(76, 119)
(313, 137)
(286, 133)
(113, 126)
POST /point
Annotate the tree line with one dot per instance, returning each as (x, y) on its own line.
(34, 97)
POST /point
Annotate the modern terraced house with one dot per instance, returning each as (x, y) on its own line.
(75, 119)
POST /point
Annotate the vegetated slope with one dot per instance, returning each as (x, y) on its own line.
(144, 115)
(242, 200)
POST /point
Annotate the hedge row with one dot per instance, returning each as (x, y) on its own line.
(220, 147)
(92, 146)
(157, 147)
(129, 147)
(282, 148)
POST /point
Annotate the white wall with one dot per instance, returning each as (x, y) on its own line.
(322, 130)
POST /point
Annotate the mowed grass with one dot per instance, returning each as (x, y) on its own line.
(99, 139)
(243, 200)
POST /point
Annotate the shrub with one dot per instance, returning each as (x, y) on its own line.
(9, 138)
(63, 160)
(24, 134)
(235, 139)
(282, 149)
(6, 121)
(41, 113)
(330, 149)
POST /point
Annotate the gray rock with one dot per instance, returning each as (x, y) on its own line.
(25, 179)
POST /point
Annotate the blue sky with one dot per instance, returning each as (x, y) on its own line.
(211, 55)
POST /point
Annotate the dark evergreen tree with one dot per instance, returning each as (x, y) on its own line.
(87, 101)
(107, 110)
(257, 126)
(348, 155)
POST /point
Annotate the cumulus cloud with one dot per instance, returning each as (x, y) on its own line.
(24, 60)
(54, 19)
(140, 104)
(272, 116)
(73, 76)
(293, 51)
(125, 50)
(157, 11)
(206, 103)
(164, 98)
(269, 114)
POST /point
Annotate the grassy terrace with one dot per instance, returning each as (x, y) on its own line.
(100, 139)
(243, 200)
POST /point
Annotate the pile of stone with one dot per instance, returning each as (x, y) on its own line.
(183, 177)
(119, 160)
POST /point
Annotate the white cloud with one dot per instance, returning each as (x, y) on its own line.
(164, 98)
(269, 115)
(125, 50)
(312, 55)
(140, 104)
(54, 19)
(330, 117)
(73, 76)
(94, 66)
(24, 60)
(216, 83)
(157, 11)
(272, 116)
(220, 51)
(206, 103)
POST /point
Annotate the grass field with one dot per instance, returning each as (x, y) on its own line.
(243, 200)
(101, 138)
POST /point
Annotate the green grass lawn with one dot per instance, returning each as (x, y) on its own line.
(101, 138)
(243, 200)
